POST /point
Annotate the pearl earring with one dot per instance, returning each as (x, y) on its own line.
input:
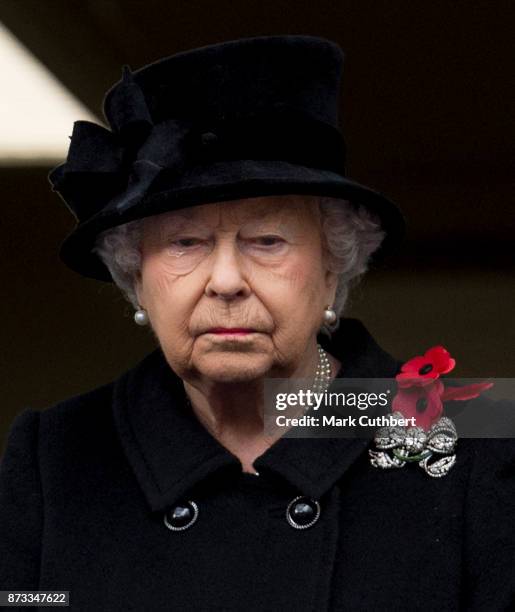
(329, 316)
(141, 317)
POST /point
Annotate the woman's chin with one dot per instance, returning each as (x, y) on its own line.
(232, 368)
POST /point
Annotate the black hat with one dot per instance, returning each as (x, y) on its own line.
(239, 119)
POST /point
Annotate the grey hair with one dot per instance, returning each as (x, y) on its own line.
(351, 234)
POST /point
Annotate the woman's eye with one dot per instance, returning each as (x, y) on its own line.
(268, 241)
(185, 243)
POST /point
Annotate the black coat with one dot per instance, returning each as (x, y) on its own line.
(85, 485)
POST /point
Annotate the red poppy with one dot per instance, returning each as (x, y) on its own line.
(425, 369)
(423, 402)
(420, 392)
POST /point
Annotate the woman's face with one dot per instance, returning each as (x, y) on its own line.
(254, 265)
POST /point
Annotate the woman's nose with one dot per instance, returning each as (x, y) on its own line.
(226, 279)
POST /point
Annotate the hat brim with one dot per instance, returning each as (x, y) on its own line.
(225, 181)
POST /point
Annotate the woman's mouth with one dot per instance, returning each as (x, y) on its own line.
(231, 330)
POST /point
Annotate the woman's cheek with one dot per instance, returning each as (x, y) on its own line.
(302, 283)
(292, 301)
(157, 294)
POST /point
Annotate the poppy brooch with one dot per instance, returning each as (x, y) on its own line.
(431, 441)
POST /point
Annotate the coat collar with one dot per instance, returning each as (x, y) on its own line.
(170, 451)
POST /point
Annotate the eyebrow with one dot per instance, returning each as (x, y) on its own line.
(175, 220)
(252, 216)
(191, 215)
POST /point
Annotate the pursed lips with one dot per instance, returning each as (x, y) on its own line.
(230, 330)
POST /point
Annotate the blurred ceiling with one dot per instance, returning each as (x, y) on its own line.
(33, 131)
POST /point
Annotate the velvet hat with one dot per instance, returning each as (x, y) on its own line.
(238, 119)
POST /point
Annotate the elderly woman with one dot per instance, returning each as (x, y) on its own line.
(218, 203)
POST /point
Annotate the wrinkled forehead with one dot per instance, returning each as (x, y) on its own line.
(280, 209)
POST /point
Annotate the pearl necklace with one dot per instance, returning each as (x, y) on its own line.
(323, 372)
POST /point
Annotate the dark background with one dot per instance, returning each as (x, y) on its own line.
(427, 112)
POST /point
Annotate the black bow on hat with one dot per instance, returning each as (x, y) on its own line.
(239, 119)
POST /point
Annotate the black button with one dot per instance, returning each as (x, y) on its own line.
(302, 512)
(208, 138)
(181, 516)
